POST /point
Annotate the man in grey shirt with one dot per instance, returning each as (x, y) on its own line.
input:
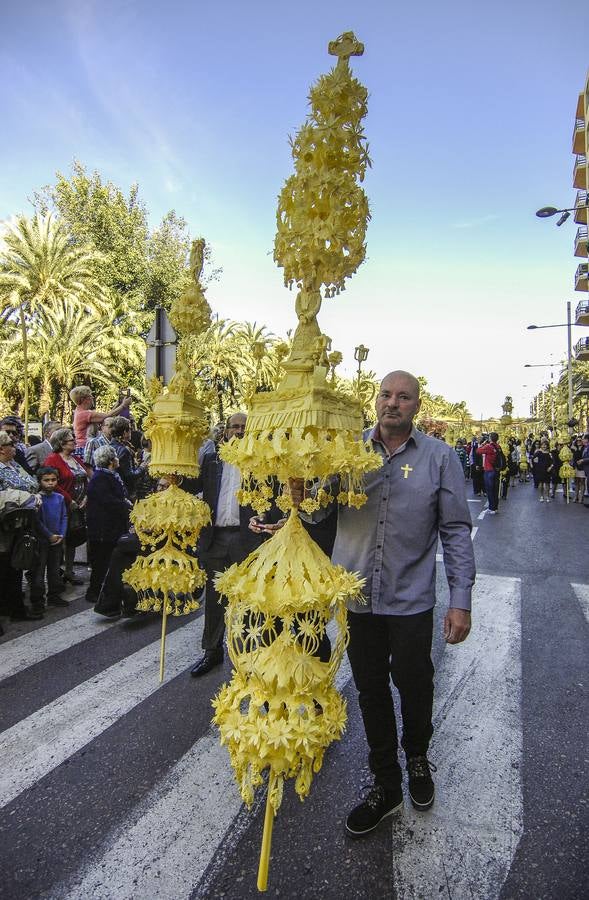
(418, 494)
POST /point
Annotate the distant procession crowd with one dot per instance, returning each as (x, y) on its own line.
(537, 460)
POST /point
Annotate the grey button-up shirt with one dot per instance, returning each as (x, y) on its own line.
(391, 540)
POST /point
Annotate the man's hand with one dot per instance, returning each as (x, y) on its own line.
(456, 625)
(55, 539)
(296, 487)
(258, 526)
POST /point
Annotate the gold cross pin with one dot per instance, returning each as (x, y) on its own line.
(405, 470)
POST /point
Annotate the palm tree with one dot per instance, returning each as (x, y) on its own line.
(216, 357)
(260, 363)
(67, 345)
(40, 266)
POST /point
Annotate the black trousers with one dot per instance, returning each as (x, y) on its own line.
(50, 556)
(114, 590)
(99, 553)
(227, 547)
(397, 647)
(11, 592)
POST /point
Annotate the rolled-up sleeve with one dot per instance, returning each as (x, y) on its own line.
(454, 526)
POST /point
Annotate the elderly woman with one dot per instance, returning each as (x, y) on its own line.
(12, 475)
(72, 483)
(107, 516)
(18, 491)
(84, 413)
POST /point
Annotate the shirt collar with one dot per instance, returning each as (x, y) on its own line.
(415, 435)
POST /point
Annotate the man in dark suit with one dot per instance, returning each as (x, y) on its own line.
(37, 455)
(226, 541)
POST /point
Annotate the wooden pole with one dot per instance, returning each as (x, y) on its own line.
(25, 353)
(163, 640)
(266, 839)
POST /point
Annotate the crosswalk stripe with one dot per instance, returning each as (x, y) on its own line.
(470, 836)
(29, 649)
(42, 741)
(582, 593)
(177, 830)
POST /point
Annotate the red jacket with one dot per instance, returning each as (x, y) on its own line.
(488, 452)
(65, 480)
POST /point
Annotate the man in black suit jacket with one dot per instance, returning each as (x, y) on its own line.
(226, 541)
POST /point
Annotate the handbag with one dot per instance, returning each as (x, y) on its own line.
(25, 551)
(76, 528)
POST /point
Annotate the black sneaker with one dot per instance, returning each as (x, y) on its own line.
(379, 804)
(421, 785)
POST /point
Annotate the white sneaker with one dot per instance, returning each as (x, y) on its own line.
(547, 499)
(492, 512)
(541, 499)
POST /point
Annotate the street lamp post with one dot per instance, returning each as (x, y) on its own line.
(568, 325)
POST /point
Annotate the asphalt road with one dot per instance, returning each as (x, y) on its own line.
(114, 787)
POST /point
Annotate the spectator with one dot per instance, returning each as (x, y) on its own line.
(72, 483)
(555, 478)
(577, 465)
(488, 450)
(14, 505)
(100, 439)
(541, 469)
(120, 437)
(36, 455)
(13, 426)
(52, 528)
(107, 516)
(85, 413)
(461, 454)
(116, 595)
(12, 474)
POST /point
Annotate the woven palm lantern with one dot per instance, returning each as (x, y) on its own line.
(566, 470)
(168, 578)
(281, 709)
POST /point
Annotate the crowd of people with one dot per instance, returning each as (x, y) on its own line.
(493, 469)
(74, 486)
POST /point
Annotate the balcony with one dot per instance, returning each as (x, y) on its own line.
(580, 110)
(581, 241)
(581, 281)
(582, 313)
(580, 172)
(582, 349)
(579, 136)
(581, 208)
(580, 386)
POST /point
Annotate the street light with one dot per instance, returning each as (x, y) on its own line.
(547, 211)
(568, 326)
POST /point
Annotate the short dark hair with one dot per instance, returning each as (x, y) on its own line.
(494, 436)
(45, 470)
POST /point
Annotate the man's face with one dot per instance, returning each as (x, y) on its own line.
(162, 485)
(397, 403)
(11, 430)
(106, 428)
(235, 426)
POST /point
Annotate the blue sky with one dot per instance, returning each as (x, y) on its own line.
(470, 120)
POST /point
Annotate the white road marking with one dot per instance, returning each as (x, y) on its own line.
(483, 513)
(42, 741)
(582, 592)
(463, 848)
(25, 651)
(473, 500)
(164, 847)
